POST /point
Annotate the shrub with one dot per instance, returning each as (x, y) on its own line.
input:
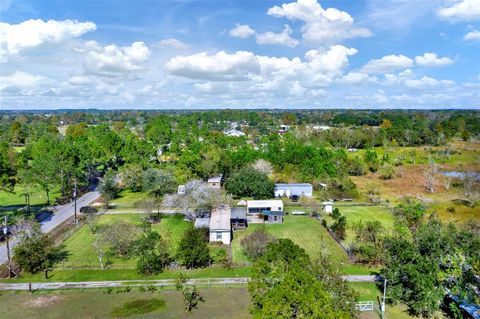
(255, 244)
(387, 172)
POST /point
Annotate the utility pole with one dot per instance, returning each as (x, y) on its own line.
(75, 201)
(384, 296)
(5, 231)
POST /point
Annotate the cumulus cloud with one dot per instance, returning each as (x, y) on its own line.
(465, 10)
(241, 31)
(472, 36)
(387, 63)
(431, 59)
(355, 78)
(427, 82)
(15, 38)
(112, 60)
(21, 80)
(283, 38)
(172, 43)
(218, 67)
(320, 26)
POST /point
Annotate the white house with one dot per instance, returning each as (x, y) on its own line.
(328, 207)
(289, 190)
(233, 132)
(259, 206)
(220, 226)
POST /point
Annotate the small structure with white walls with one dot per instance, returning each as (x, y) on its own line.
(328, 207)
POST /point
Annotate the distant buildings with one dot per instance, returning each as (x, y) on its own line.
(296, 189)
(233, 132)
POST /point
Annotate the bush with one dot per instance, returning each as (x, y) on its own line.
(387, 172)
(193, 249)
(255, 244)
(324, 223)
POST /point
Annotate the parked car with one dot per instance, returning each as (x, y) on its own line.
(295, 198)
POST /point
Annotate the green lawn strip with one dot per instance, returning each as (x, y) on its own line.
(99, 304)
(81, 244)
(128, 199)
(305, 231)
(129, 274)
(37, 196)
(367, 291)
(355, 214)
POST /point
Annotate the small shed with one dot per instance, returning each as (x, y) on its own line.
(328, 207)
(273, 217)
(215, 182)
(181, 190)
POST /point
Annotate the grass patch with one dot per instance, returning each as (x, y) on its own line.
(137, 307)
(306, 232)
(37, 197)
(81, 244)
(127, 199)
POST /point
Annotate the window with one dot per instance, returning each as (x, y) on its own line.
(275, 218)
(219, 235)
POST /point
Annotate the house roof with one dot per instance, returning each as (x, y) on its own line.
(264, 203)
(239, 212)
(220, 218)
(202, 222)
(215, 179)
(304, 185)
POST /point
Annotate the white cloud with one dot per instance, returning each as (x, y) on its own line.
(241, 31)
(465, 10)
(79, 80)
(32, 33)
(331, 61)
(472, 36)
(113, 60)
(21, 80)
(387, 64)
(172, 43)
(355, 78)
(283, 38)
(219, 67)
(321, 26)
(427, 82)
(431, 59)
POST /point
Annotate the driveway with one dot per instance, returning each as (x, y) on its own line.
(62, 213)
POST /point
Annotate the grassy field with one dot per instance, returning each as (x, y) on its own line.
(129, 274)
(307, 232)
(127, 199)
(356, 214)
(81, 244)
(37, 197)
(98, 304)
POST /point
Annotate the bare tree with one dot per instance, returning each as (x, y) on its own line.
(198, 198)
(472, 188)
(447, 182)
(430, 175)
(263, 166)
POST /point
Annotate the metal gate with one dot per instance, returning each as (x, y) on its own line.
(364, 306)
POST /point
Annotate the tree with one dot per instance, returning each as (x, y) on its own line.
(249, 182)
(7, 168)
(158, 182)
(255, 244)
(108, 188)
(132, 177)
(368, 241)
(152, 251)
(410, 210)
(199, 198)
(263, 166)
(430, 176)
(120, 236)
(371, 159)
(191, 295)
(339, 225)
(37, 252)
(193, 249)
(286, 284)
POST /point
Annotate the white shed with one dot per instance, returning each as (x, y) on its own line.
(328, 207)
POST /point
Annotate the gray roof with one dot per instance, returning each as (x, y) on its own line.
(202, 222)
(239, 212)
(294, 185)
(220, 218)
(215, 179)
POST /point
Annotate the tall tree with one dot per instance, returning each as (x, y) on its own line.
(193, 249)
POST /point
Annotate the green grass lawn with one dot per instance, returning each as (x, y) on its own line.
(129, 274)
(98, 304)
(37, 197)
(81, 244)
(127, 199)
(307, 232)
(355, 214)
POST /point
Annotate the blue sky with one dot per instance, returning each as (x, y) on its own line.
(240, 54)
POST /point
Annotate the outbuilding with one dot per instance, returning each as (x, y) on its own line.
(328, 207)
(215, 182)
(294, 189)
(260, 206)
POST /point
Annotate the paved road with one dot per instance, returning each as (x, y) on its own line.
(133, 283)
(62, 213)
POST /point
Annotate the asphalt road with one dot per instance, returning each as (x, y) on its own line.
(61, 214)
(162, 283)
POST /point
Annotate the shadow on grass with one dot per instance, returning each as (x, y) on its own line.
(137, 307)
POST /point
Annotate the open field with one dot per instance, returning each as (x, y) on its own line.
(307, 232)
(98, 304)
(356, 214)
(81, 244)
(37, 197)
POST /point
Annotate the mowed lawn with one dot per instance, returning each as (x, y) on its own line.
(356, 214)
(97, 304)
(15, 198)
(306, 232)
(81, 244)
